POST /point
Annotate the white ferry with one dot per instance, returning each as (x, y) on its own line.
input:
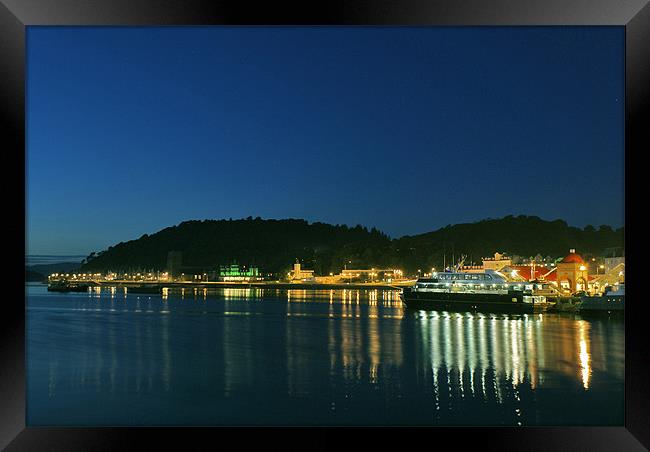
(486, 291)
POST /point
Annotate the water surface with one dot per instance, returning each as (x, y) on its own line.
(299, 357)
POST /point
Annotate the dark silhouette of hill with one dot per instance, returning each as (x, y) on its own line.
(39, 272)
(273, 245)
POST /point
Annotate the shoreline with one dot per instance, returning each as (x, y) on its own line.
(155, 286)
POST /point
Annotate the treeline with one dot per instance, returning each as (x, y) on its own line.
(525, 236)
(273, 245)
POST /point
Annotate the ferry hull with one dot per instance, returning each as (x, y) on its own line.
(469, 302)
(611, 303)
(67, 288)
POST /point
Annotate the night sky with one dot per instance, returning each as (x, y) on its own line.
(130, 130)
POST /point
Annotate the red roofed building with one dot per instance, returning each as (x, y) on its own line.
(540, 273)
(551, 276)
(573, 258)
(572, 273)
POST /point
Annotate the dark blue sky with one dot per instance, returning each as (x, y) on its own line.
(130, 130)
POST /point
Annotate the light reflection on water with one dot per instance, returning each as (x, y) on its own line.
(256, 356)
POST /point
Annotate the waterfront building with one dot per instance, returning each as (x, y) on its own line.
(497, 262)
(235, 272)
(610, 262)
(193, 277)
(609, 275)
(370, 275)
(299, 273)
(524, 272)
(572, 273)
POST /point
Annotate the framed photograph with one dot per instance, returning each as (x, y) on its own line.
(354, 214)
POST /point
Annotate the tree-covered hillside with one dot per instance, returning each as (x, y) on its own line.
(273, 245)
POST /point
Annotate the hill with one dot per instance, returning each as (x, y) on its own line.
(273, 245)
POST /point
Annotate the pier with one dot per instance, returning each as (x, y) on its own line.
(157, 286)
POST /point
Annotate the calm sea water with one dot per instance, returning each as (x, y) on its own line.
(298, 357)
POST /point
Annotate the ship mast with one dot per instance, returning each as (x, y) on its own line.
(461, 261)
(532, 269)
(444, 257)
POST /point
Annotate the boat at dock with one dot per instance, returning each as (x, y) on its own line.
(64, 286)
(612, 300)
(489, 291)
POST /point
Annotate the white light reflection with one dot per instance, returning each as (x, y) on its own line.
(506, 352)
(585, 368)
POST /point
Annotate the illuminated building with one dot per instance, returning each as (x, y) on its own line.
(371, 275)
(299, 273)
(610, 273)
(235, 272)
(530, 272)
(611, 262)
(572, 273)
(497, 262)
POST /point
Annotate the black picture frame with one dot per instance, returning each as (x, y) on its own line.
(15, 15)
